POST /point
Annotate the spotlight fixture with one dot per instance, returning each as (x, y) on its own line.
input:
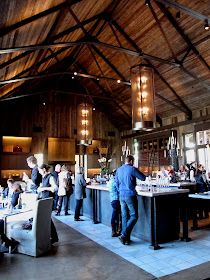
(206, 24)
(97, 79)
(94, 108)
(118, 81)
(75, 73)
(72, 77)
(146, 2)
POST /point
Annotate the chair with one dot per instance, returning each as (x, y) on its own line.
(35, 242)
(29, 199)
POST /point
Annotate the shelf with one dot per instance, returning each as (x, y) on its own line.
(12, 143)
(14, 173)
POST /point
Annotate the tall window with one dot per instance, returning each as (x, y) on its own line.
(189, 147)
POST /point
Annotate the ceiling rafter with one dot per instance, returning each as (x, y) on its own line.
(105, 92)
(59, 51)
(54, 38)
(119, 43)
(89, 41)
(108, 62)
(50, 33)
(182, 34)
(162, 31)
(184, 9)
(127, 37)
(57, 91)
(6, 30)
(53, 55)
(86, 33)
(173, 54)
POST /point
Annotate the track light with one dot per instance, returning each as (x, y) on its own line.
(206, 25)
(146, 2)
(118, 81)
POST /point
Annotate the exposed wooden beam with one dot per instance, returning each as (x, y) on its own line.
(184, 9)
(106, 93)
(70, 59)
(182, 34)
(136, 47)
(8, 29)
(57, 91)
(88, 42)
(162, 31)
(41, 76)
(54, 38)
(170, 102)
(86, 33)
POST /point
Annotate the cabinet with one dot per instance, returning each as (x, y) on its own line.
(14, 152)
(61, 150)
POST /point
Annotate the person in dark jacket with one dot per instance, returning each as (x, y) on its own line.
(55, 173)
(16, 195)
(46, 189)
(36, 178)
(126, 182)
(80, 185)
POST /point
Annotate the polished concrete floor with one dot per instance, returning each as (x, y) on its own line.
(76, 256)
(174, 256)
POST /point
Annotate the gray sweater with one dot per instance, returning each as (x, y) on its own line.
(80, 183)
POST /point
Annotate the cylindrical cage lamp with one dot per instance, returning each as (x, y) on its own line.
(84, 124)
(143, 93)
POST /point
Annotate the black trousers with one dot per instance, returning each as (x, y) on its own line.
(116, 213)
(4, 238)
(77, 208)
(64, 198)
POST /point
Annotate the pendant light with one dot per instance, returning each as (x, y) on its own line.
(143, 93)
(84, 124)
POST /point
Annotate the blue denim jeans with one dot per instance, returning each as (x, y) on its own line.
(129, 208)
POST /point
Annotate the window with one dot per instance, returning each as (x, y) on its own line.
(203, 137)
(190, 156)
(189, 141)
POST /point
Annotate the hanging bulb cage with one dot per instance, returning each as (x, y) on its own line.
(143, 93)
(84, 124)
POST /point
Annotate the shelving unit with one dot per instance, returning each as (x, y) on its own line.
(152, 155)
(14, 152)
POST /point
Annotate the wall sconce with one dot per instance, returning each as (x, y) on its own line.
(143, 93)
(84, 124)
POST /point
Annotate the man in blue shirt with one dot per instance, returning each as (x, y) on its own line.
(126, 182)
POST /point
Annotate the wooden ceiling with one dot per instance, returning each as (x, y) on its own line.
(44, 42)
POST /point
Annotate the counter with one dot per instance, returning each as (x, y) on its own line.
(159, 212)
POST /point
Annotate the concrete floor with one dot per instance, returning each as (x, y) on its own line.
(76, 257)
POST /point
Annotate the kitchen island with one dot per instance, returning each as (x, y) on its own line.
(159, 212)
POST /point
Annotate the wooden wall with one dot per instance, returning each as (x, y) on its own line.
(52, 115)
